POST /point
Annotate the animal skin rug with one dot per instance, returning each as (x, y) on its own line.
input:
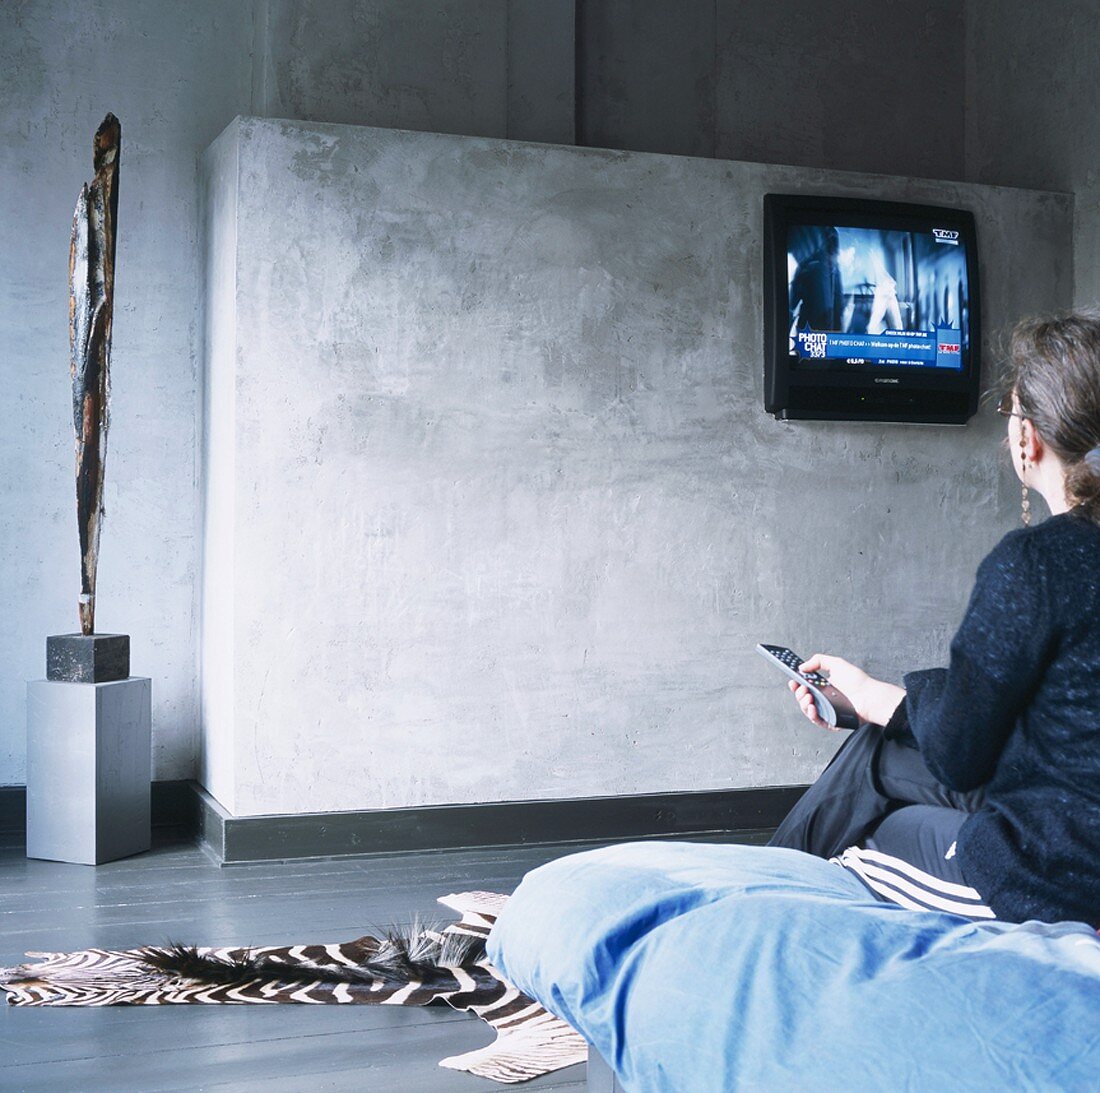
(417, 967)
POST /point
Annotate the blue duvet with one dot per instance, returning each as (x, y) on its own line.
(703, 967)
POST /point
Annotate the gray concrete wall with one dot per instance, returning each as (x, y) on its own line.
(858, 85)
(863, 85)
(176, 75)
(1033, 92)
(647, 75)
(172, 73)
(500, 68)
(220, 174)
(509, 514)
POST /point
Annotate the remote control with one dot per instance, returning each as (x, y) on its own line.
(833, 707)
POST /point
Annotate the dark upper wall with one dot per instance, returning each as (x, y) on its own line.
(864, 85)
(1033, 116)
(494, 68)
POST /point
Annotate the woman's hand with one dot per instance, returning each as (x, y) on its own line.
(873, 699)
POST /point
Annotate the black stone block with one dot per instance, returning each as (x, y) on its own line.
(91, 658)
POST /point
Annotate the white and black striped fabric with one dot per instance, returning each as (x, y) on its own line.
(529, 1040)
(895, 880)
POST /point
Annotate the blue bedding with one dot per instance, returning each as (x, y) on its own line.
(705, 967)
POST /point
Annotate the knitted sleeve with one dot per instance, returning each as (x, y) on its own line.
(961, 716)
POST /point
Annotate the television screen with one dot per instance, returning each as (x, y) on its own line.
(862, 295)
(871, 310)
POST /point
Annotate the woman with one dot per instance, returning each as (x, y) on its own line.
(976, 788)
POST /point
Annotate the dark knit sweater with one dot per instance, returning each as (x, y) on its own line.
(1018, 710)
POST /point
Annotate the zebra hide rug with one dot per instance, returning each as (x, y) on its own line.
(403, 968)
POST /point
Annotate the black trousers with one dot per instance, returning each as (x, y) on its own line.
(879, 810)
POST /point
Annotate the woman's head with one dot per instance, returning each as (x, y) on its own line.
(1054, 374)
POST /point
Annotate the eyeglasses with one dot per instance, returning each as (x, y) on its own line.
(1004, 407)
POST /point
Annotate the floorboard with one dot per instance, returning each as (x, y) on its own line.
(175, 892)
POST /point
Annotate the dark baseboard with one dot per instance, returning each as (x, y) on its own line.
(173, 804)
(193, 813)
(233, 839)
(13, 810)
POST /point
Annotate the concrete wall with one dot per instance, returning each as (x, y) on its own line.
(847, 86)
(1034, 110)
(863, 85)
(220, 173)
(173, 75)
(509, 514)
(500, 68)
(176, 75)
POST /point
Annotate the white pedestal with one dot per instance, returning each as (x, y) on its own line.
(89, 766)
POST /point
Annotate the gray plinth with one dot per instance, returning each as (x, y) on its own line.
(89, 760)
(88, 658)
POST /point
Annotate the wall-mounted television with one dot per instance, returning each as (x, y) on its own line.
(871, 311)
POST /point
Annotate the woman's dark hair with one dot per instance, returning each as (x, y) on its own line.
(1054, 368)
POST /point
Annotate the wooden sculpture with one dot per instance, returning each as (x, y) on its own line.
(91, 305)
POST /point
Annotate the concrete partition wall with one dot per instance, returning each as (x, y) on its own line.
(493, 509)
(217, 652)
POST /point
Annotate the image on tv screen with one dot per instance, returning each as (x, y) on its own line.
(874, 296)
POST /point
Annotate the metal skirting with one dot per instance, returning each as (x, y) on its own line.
(232, 839)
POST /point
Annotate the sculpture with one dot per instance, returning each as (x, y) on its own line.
(91, 310)
(89, 746)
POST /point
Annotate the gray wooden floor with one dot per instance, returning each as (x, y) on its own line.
(175, 892)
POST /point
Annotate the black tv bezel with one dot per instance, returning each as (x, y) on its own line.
(843, 393)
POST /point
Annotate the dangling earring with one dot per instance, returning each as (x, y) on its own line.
(1025, 503)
